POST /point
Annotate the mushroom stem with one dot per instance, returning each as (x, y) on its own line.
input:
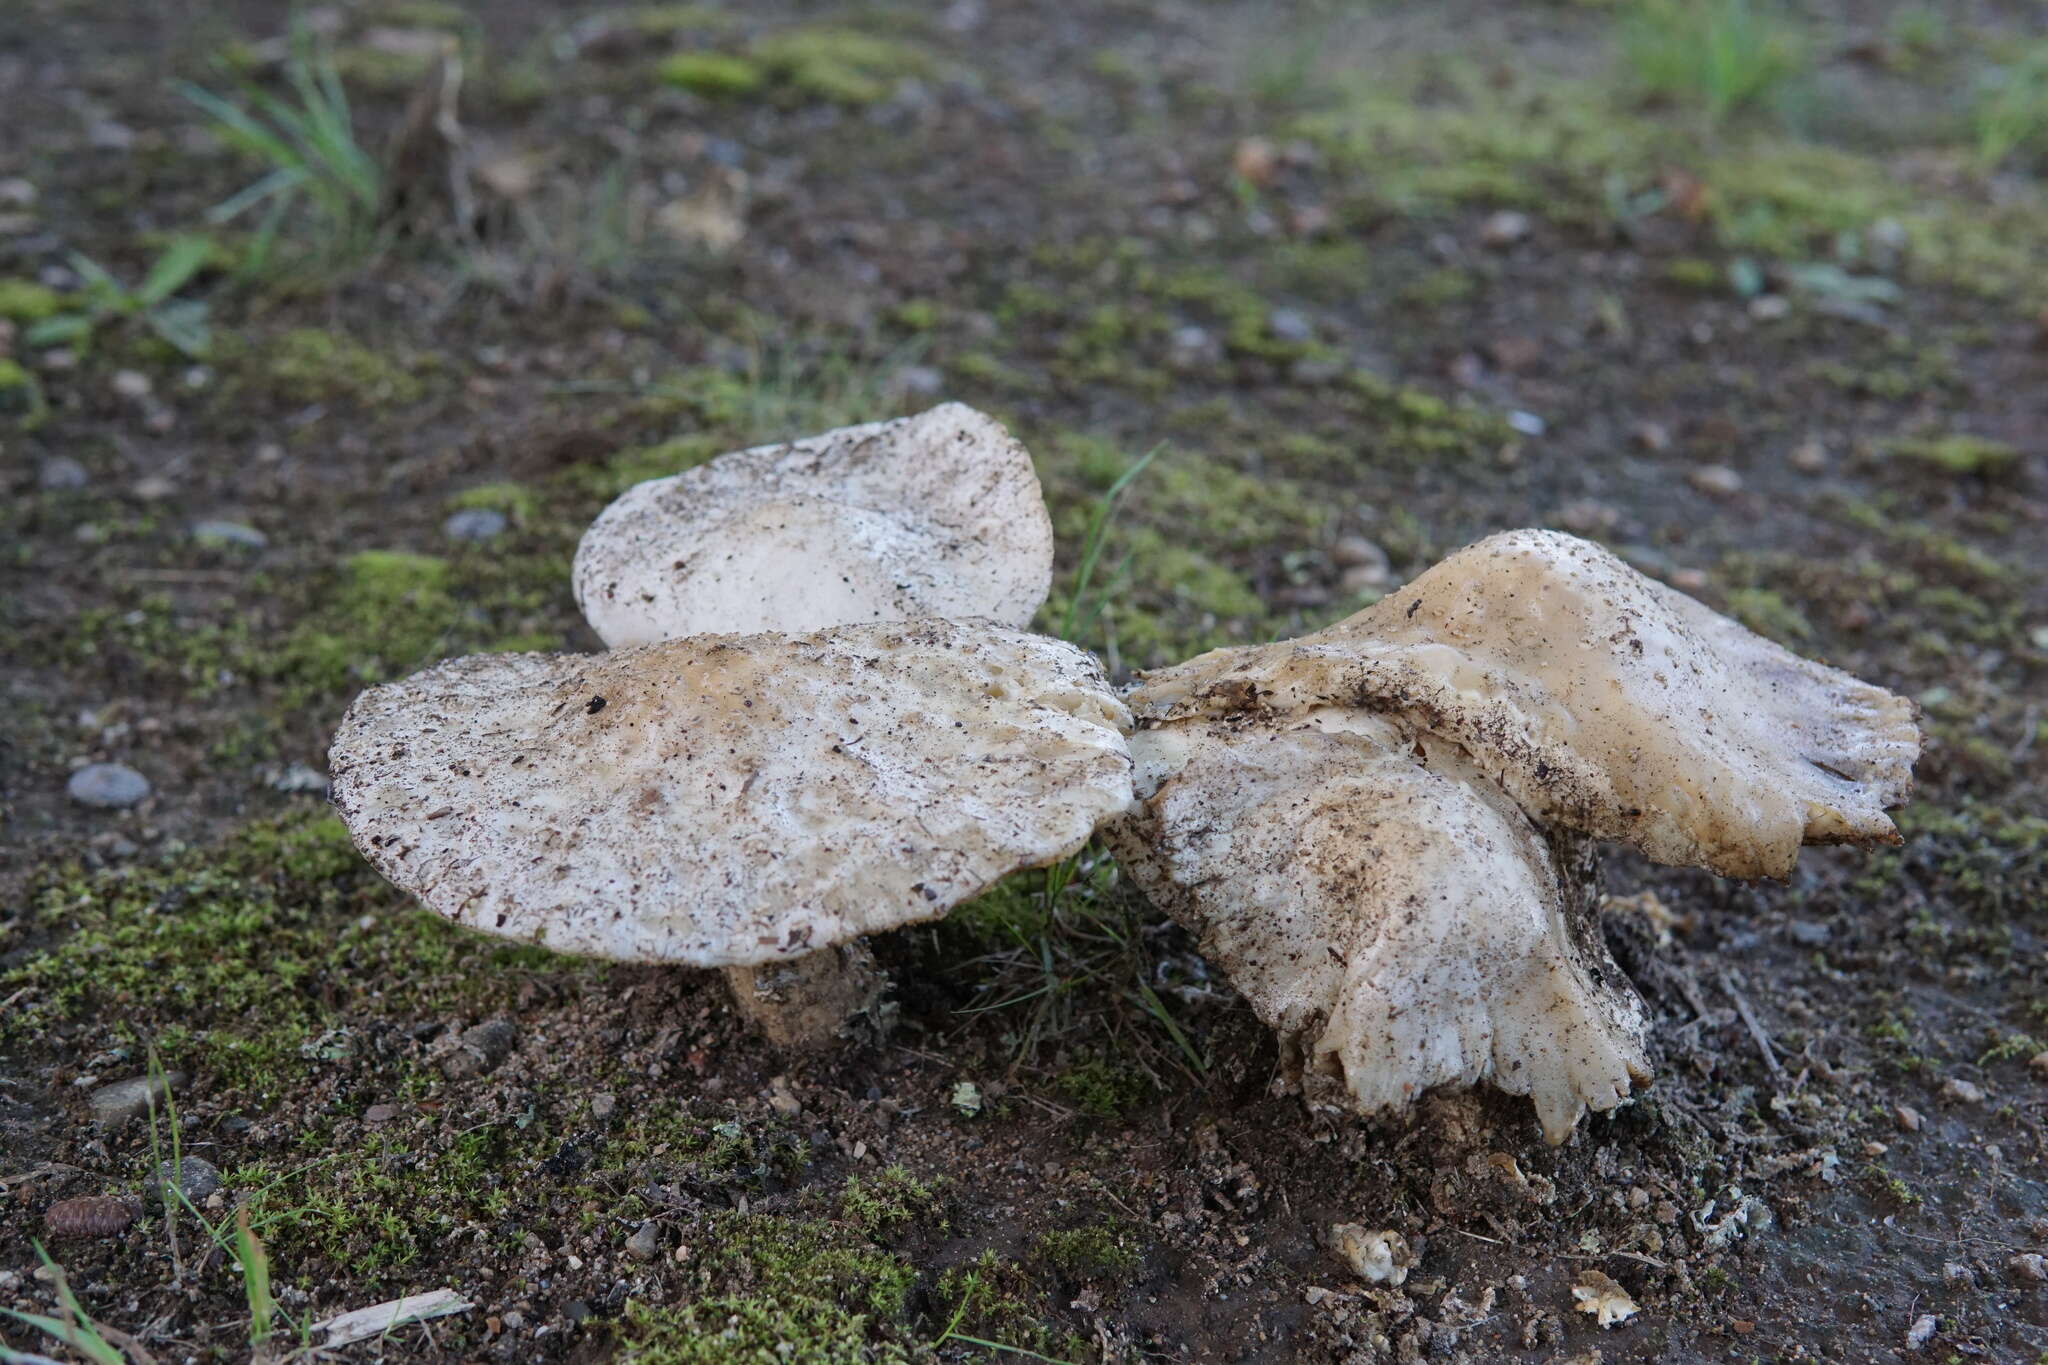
(807, 1001)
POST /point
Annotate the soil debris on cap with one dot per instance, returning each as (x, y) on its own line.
(935, 515)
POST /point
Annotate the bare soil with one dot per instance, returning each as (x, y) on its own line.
(1114, 225)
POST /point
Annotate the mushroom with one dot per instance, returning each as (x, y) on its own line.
(749, 802)
(1602, 701)
(1378, 831)
(1386, 909)
(934, 515)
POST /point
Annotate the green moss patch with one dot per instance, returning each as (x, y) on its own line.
(1956, 453)
(718, 75)
(308, 365)
(27, 301)
(774, 1289)
(839, 65)
(234, 958)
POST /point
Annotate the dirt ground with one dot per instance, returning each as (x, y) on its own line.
(1382, 278)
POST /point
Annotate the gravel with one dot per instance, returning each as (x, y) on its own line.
(474, 525)
(107, 786)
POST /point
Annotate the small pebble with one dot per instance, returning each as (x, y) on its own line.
(132, 384)
(1290, 325)
(602, 1107)
(475, 525)
(1527, 423)
(193, 1177)
(297, 778)
(645, 1243)
(483, 1049)
(919, 381)
(114, 1105)
(1921, 1332)
(1810, 457)
(1654, 437)
(380, 1113)
(61, 473)
(2039, 1064)
(1504, 229)
(1356, 552)
(1908, 1117)
(1717, 480)
(1812, 933)
(224, 533)
(1587, 517)
(107, 786)
(1255, 159)
(1514, 354)
(92, 1216)
(1962, 1091)
(2028, 1268)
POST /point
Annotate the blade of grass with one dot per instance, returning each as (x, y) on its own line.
(1149, 1001)
(1024, 1351)
(174, 269)
(1098, 533)
(76, 1328)
(276, 187)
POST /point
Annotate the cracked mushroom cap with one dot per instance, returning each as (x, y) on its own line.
(934, 515)
(731, 800)
(1600, 700)
(1391, 913)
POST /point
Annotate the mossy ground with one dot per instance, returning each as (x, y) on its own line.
(1819, 280)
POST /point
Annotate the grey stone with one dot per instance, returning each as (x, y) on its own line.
(194, 1177)
(1317, 369)
(482, 1049)
(116, 1104)
(225, 533)
(919, 381)
(1291, 325)
(107, 786)
(61, 473)
(1504, 228)
(1812, 933)
(645, 1243)
(474, 524)
(297, 777)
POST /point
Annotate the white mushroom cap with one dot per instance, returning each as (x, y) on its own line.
(1601, 700)
(934, 515)
(731, 800)
(1394, 918)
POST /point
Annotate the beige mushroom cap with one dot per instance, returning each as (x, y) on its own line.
(1600, 700)
(731, 800)
(934, 515)
(1397, 920)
